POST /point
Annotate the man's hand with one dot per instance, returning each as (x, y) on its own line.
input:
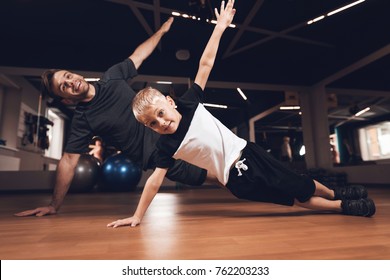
(146, 48)
(132, 221)
(96, 151)
(39, 212)
(166, 25)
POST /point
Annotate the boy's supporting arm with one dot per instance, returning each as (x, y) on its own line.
(146, 48)
(206, 63)
(151, 188)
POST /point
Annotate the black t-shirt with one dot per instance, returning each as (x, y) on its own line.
(109, 116)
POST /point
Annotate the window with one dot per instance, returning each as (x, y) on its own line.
(1, 108)
(55, 134)
(374, 141)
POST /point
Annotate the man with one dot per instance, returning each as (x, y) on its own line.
(104, 109)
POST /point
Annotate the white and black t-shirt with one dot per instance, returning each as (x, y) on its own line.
(200, 139)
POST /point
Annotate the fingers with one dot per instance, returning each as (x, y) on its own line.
(41, 213)
(20, 214)
(124, 222)
(117, 223)
(225, 11)
(229, 7)
(26, 213)
(168, 22)
(112, 224)
(222, 6)
(167, 25)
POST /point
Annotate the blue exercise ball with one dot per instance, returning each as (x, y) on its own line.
(86, 174)
(120, 173)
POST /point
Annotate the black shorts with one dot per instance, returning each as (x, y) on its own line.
(268, 180)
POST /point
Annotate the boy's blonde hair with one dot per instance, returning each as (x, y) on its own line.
(144, 99)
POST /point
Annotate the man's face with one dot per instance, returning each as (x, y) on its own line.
(163, 118)
(70, 86)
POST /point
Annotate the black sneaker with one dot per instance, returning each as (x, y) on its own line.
(362, 207)
(350, 192)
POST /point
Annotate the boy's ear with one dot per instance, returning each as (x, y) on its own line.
(170, 100)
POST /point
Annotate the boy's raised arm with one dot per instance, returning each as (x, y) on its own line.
(151, 188)
(224, 19)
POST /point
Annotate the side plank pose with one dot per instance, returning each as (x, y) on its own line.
(102, 109)
(191, 133)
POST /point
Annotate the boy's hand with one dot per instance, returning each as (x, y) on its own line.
(226, 14)
(132, 221)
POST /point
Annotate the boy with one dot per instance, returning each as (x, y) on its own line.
(191, 133)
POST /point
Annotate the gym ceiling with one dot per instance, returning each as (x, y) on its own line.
(271, 51)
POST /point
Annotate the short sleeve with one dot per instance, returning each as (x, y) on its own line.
(121, 71)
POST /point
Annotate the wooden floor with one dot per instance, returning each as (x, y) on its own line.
(190, 224)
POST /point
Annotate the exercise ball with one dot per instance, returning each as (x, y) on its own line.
(120, 173)
(86, 174)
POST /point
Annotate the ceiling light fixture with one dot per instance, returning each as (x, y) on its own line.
(164, 82)
(290, 107)
(213, 21)
(215, 105)
(316, 19)
(242, 94)
(92, 79)
(345, 7)
(335, 11)
(177, 14)
(361, 112)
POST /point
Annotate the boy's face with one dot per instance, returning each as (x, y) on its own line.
(162, 117)
(69, 85)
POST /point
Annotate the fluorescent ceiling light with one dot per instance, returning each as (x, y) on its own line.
(316, 19)
(302, 150)
(242, 94)
(164, 82)
(92, 79)
(335, 11)
(290, 107)
(215, 105)
(215, 22)
(177, 14)
(345, 7)
(362, 111)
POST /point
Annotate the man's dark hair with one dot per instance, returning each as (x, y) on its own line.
(47, 82)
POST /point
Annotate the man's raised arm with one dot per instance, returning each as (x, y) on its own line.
(146, 48)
